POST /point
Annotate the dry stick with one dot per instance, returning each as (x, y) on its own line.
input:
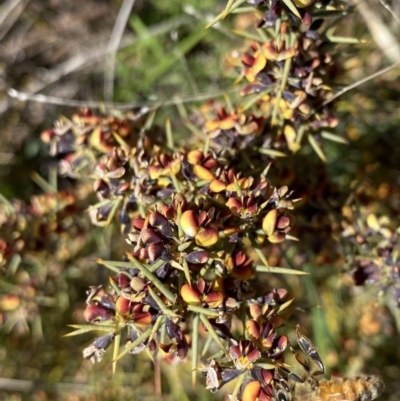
(157, 378)
(379, 31)
(73, 64)
(9, 13)
(392, 12)
(360, 82)
(112, 47)
(144, 106)
(82, 60)
(382, 37)
(29, 386)
(147, 106)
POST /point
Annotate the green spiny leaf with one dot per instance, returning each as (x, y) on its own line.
(279, 270)
(318, 150)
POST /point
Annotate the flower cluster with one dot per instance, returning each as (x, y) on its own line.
(192, 254)
(288, 85)
(375, 255)
(199, 219)
(49, 225)
(251, 355)
(196, 223)
(190, 219)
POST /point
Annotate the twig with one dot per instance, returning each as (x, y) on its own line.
(144, 106)
(7, 8)
(379, 31)
(387, 6)
(30, 386)
(358, 83)
(112, 47)
(9, 13)
(88, 58)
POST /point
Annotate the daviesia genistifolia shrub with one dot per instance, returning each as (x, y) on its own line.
(204, 208)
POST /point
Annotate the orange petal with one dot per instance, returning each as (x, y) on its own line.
(245, 182)
(304, 109)
(218, 285)
(203, 173)
(259, 63)
(248, 60)
(217, 186)
(150, 236)
(253, 355)
(209, 163)
(9, 302)
(156, 219)
(190, 295)
(253, 329)
(249, 128)
(248, 73)
(298, 100)
(373, 222)
(276, 237)
(234, 204)
(240, 257)
(142, 318)
(285, 54)
(189, 223)
(195, 157)
(270, 51)
(174, 167)
(138, 222)
(251, 391)
(229, 264)
(303, 3)
(243, 273)
(269, 222)
(122, 306)
(290, 133)
(214, 299)
(228, 231)
(96, 313)
(212, 125)
(227, 123)
(283, 222)
(201, 285)
(255, 311)
(155, 172)
(207, 237)
(276, 320)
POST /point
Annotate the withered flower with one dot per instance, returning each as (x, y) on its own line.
(96, 350)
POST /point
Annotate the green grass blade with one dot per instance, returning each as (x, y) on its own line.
(195, 347)
(117, 343)
(334, 138)
(279, 270)
(155, 281)
(318, 150)
(86, 328)
(292, 8)
(214, 335)
(134, 344)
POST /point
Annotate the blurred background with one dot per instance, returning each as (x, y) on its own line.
(61, 54)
